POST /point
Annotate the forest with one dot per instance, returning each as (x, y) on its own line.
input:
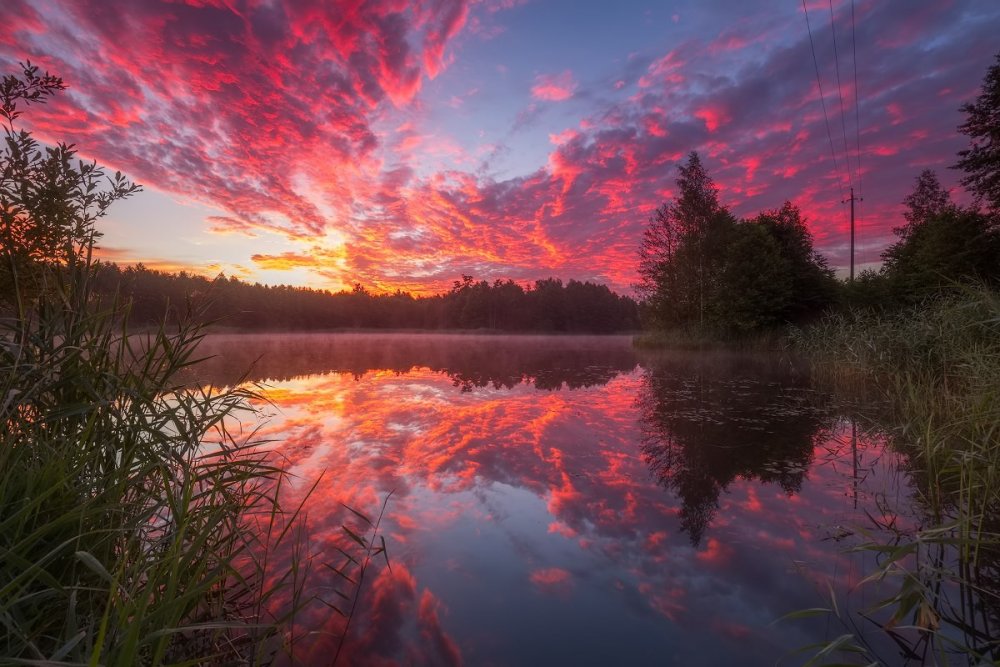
(546, 306)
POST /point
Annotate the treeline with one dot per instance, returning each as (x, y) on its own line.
(706, 274)
(546, 306)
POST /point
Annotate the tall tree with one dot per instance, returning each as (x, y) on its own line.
(680, 248)
(812, 286)
(698, 202)
(981, 161)
(940, 243)
(928, 200)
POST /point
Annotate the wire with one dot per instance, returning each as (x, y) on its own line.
(857, 96)
(822, 99)
(840, 95)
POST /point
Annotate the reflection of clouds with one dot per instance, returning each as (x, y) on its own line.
(400, 627)
(472, 361)
(499, 494)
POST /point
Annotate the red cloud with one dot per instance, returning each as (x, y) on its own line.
(554, 87)
(713, 116)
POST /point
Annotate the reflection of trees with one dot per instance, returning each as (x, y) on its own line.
(471, 361)
(710, 420)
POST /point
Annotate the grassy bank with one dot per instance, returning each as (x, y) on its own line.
(938, 364)
(131, 507)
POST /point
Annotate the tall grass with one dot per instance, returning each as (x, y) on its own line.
(140, 524)
(938, 364)
(130, 503)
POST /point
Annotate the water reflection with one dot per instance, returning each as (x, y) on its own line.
(547, 362)
(712, 419)
(657, 513)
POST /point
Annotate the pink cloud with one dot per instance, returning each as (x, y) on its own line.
(553, 576)
(713, 116)
(554, 87)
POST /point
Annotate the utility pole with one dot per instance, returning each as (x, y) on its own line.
(852, 199)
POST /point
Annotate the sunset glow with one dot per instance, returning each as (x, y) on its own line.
(401, 145)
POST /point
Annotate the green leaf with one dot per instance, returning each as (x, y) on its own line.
(95, 566)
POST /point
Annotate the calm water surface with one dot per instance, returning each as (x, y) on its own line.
(567, 500)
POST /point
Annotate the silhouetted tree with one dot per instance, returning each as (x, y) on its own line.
(49, 200)
(680, 247)
(812, 286)
(981, 161)
(703, 270)
(940, 243)
(955, 245)
(928, 200)
(755, 282)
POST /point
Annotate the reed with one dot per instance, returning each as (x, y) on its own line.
(937, 365)
(136, 513)
(129, 503)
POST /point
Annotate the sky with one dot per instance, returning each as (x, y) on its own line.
(402, 144)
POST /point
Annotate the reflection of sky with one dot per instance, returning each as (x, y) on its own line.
(525, 526)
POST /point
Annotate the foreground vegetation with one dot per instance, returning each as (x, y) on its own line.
(938, 365)
(135, 519)
(924, 332)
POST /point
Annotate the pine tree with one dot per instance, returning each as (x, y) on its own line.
(981, 161)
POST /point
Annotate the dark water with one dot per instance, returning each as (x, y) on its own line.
(569, 501)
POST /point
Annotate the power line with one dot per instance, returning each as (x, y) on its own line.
(857, 96)
(840, 95)
(822, 99)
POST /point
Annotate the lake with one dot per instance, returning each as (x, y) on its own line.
(569, 500)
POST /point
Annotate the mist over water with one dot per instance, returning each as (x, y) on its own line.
(568, 500)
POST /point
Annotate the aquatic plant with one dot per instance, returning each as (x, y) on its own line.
(938, 366)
